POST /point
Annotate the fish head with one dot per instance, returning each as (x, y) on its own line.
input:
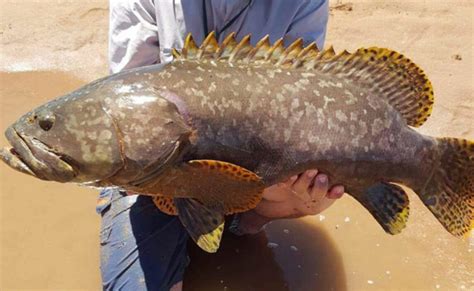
(70, 139)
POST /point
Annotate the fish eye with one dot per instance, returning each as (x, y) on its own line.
(46, 122)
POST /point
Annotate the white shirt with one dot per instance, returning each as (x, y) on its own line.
(143, 32)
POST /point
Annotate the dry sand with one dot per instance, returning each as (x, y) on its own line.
(49, 231)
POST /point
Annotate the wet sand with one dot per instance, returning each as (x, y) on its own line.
(49, 231)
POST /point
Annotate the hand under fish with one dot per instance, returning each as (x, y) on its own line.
(299, 196)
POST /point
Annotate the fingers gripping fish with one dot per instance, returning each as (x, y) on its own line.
(205, 134)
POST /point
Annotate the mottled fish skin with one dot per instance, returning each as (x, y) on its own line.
(291, 120)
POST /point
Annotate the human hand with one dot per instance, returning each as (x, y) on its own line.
(306, 194)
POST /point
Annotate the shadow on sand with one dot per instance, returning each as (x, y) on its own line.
(301, 257)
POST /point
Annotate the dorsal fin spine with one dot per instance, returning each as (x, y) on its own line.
(208, 46)
(328, 67)
(190, 48)
(278, 45)
(240, 47)
(290, 53)
(176, 54)
(260, 49)
(227, 46)
(306, 53)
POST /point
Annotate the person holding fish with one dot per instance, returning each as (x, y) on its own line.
(209, 134)
(141, 247)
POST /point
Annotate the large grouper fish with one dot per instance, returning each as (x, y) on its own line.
(205, 134)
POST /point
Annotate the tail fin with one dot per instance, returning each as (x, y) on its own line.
(450, 192)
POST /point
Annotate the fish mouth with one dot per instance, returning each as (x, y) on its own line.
(12, 158)
(30, 156)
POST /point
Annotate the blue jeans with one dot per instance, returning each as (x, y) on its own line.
(141, 247)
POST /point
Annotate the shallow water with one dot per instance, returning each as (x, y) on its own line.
(342, 250)
(48, 230)
(49, 235)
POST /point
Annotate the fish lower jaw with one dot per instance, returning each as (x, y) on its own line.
(53, 169)
(11, 157)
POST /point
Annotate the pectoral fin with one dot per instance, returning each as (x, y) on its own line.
(204, 225)
(234, 188)
(204, 191)
(388, 204)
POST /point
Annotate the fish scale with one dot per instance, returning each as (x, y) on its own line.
(205, 134)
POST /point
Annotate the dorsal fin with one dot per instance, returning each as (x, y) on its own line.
(275, 51)
(190, 48)
(260, 50)
(386, 73)
(241, 50)
(306, 54)
(326, 54)
(390, 75)
(208, 47)
(227, 46)
(416, 107)
(290, 53)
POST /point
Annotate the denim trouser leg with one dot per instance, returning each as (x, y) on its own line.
(141, 247)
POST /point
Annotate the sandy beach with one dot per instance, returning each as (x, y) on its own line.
(49, 231)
